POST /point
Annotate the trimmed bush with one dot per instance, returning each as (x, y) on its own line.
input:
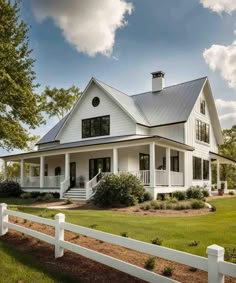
(147, 196)
(231, 193)
(26, 195)
(150, 263)
(194, 192)
(68, 201)
(125, 189)
(35, 194)
(197, 204)
(124, 234)
(205, 193)
(48, 197)
(10, 187)
(213, 208)
(179, 195)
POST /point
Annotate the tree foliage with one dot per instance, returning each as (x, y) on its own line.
(59, 101)
(19, 105)
(228, 149)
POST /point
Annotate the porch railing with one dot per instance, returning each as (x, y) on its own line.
(161, 178)
(177, 178)
(53, 181)
(31, 181)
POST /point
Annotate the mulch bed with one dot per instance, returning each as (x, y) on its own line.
(86, 270)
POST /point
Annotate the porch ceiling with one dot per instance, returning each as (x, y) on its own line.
(222, 159)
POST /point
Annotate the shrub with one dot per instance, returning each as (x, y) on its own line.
(194, 192)
(182, 206)
(124, 234)
(213, 208)
(197, 204)
(156, 241)
(147, 196)
(205, 193)
(231, 193)
(150, 263)
(163, 205)
(123, 189)
(179, 195)
(163, 197)
(56, 195)
(93, 226)
(48, 197)
(26, 195)
(35, 194)
(194, 243)
(68, 201)
(155, 204)
(168, 270)
(10, 187)
(230, 254)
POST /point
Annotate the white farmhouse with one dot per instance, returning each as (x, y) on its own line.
(168, 137)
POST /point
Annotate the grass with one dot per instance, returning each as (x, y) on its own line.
(177, 232)
(17, 267)
(17, 201)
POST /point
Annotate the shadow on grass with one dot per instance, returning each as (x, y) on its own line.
(31, 262)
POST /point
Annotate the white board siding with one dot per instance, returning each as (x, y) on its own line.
(201, 149)
(174, 132)
(120, 122)
(141, 130)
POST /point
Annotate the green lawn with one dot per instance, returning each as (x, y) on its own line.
(176, 232)
(17, 201)
(17, 267)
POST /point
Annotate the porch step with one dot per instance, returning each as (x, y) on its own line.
(76, 193)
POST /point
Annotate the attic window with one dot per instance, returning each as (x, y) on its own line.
(203, 107)
(95, 101)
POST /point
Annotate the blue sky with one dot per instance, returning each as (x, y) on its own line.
(157, 35)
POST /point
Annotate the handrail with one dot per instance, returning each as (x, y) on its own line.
(91, 184)
(64, 187)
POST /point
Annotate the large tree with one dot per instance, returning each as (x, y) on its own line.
(19, 105)
(59, 101)
(228, 149)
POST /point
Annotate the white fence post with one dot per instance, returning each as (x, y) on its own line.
(215, 255)
(59, 234)
(3, 218)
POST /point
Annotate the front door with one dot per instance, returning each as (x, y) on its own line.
(72, 174)
(104, 164)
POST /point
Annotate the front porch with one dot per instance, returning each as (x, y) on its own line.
(160, 168)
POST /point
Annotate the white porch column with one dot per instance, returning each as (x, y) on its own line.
(115, 160)
(168, 172)
(22, 172)
(152, 153)
(218, 173)
(67, 166)
(42, 167)
(5, 169)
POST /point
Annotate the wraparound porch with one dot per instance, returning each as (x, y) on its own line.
(158, 166)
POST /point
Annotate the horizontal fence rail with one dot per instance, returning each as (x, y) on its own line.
(214, 264)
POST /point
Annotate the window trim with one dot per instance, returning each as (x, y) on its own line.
(194, 169)
(100, 127)
(199, 125)
(204, 108)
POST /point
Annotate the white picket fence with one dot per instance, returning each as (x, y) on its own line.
(214, 264)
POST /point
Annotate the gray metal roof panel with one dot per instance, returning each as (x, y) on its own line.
(172, 104)
(51, 135)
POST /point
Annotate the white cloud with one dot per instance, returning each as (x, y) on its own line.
(227, 112)
(89, 25)
(220, 6)
(223, 59)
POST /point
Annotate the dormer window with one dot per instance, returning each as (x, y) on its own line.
(203, 107)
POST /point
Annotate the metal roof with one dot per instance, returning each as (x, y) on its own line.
(173, 104)
(51, 135)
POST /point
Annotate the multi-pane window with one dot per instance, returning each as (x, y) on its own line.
(197, 168)
(94, 127)
(202, 131)
(203, 107)
(205, 170)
